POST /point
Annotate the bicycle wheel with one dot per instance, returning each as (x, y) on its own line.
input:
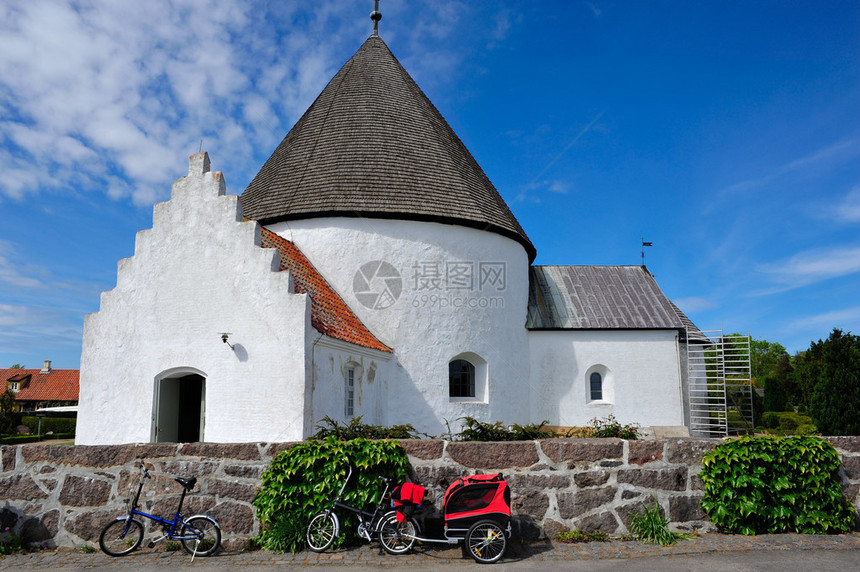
(115, 540)
(486, 541)
(322, 531)
(396, 537)
(207, 535)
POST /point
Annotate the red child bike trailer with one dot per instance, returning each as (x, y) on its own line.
(476, 509)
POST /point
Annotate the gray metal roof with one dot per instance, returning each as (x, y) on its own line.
(598, 297)
(373, 144)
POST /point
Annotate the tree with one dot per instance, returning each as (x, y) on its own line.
(775, 397)
(765, 359)
(828, 375)
(7, 417)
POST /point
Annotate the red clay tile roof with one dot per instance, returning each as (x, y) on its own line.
(329, 313)
(57, 385)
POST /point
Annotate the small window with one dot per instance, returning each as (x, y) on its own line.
(461, 378)
(14, 386)
(596, 386)
(349, 393)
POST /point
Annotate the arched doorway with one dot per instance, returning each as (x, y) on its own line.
(179, 408)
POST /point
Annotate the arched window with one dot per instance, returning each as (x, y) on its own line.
(461, 378)
(595, 386)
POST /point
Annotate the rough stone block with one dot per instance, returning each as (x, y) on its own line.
(507, 455)
(232, 490)
(591, 478)
(426, 450)
(84, 491)
(602, 522)
(533, 504)
(20, 487)
(40, 529)
(239, 451)
(628, 511)
(94, 456)
(852, 467)
(690, 451)
(521, 481)
(234, 518)
(641, 452)
(272, 450)
(686, 508)
(561, 450)
(664, 479)
(845, 444)
(245, 471)
(190, 468)
(571, 505)
(89, 524)
(148, 451)
(552, 527)
(8, 454)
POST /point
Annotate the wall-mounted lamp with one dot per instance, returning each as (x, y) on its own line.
(224, 337)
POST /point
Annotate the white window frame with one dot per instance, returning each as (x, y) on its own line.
(349, 392)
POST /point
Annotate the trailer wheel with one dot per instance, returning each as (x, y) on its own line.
(486, 541)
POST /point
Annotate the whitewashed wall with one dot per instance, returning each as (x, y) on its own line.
(198, 272)
(332, 358)
(428, 328)
(642, 382)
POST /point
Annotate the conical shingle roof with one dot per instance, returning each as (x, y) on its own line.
(373, 145)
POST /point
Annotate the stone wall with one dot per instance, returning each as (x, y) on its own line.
(65, 495)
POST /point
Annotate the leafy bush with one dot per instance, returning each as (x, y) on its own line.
(329, 427)
(650, 526)
(607, 427)
(576, 535)
(770, 420)
(770, 485)
(474, 430)
(306, 478)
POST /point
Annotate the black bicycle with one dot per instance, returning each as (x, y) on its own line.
(395, 537)
(200, 535)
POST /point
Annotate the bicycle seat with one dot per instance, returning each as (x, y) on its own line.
(187, 483)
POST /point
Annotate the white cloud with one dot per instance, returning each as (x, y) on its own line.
(834, 153)
(843, 318)
(100, 87)
(812, 266)
(849, 209)
(17, 275)
(694, 304)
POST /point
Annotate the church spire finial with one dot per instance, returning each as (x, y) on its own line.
(376, 16)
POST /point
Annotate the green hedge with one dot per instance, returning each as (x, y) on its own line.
(757, 485)
(50, 424)
(306, 478)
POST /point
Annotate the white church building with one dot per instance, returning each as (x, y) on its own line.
(369, 269)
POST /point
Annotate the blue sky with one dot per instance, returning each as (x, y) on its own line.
(726, 133)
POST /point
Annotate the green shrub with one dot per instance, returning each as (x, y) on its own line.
(611, 427)
(806, 430)
(770, 420)
(474, 430)
(576, 536)
(650, 526)
(770, 485)
(306, 478)
(329, 427)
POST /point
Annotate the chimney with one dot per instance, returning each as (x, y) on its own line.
(46, 368)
